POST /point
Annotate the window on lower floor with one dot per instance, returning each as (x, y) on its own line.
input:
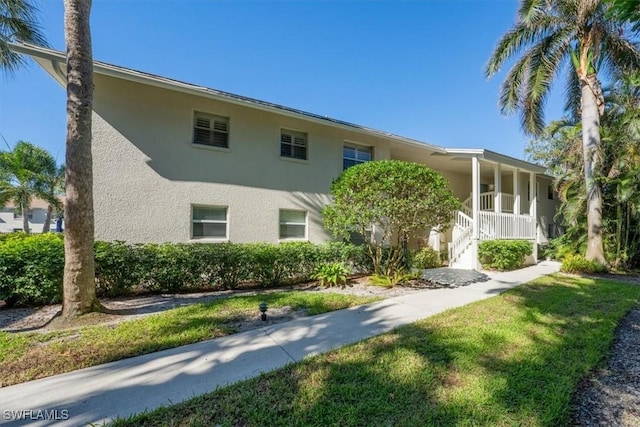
(551, 231)
(208, 222)
(293, 144)
(358, 239)
(353, 155)
(210, 130)
(293, 224)
(19, 216)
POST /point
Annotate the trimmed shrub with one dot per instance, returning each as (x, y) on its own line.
(504, 254)
(31, 269)
(426, 257)
(578, 264)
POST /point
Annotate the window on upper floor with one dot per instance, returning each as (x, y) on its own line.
(353, 155)
(293, 224)
(210, 130)
(209, 222)
(550, 192)
(293, 144)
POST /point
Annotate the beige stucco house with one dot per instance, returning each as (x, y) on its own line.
(176, 162)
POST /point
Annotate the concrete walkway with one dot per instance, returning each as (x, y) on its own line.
(129, 386)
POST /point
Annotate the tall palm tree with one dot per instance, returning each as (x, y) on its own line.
(79, 294)
(21, 172)
(576, 35)
(17, 23)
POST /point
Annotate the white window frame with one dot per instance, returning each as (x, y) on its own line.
(210, 221)
(305, 224)
(213, 118)
(356, 147)
(293, 134)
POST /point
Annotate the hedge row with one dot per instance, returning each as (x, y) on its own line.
(31, 267)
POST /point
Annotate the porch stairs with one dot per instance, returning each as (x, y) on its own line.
(491, 225)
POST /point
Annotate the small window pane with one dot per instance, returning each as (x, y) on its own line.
(300, 152)
(212, 214)
(349, 152)
(209, 229)
(292, 231)
(292, 217)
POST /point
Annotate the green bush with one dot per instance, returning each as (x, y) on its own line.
(331, 274)
(426, 257)
(504, 254)
(118, 268)
(31, 269)
(580, 265)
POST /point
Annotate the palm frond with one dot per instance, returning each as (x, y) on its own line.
(518, 38)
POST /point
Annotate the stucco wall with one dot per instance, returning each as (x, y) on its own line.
(149, 131)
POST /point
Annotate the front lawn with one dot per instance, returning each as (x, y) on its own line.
(515, 359)
(32, 355)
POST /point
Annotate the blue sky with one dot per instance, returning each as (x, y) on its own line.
(414, 68)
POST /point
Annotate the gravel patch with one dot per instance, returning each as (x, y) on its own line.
(611, 396)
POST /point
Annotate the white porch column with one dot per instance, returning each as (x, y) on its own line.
(516, 192)
(475, 209)
(533, 202)
(497, 188)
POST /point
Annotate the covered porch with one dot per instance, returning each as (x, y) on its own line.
(499, 196)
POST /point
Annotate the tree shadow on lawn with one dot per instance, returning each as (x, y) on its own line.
(512, 360)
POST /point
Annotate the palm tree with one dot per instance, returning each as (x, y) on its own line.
(52, 183)
(17, 23)
(552, 35)
(21, 172)
(79, 294)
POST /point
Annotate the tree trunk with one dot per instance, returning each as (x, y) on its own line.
(79, 274)
(46, 227)
(590, 147)
(24, 206)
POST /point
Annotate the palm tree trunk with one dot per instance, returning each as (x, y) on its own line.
(590, 146)
(25, 215)
(79, 271)
(46, 227)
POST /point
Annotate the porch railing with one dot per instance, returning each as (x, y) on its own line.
(495, 225)
(487, 203)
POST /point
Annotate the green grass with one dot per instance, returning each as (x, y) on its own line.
(28, 356)
(512, 360)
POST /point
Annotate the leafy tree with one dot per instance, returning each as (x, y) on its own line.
(22, 172)
(79, 296)
(18, 23)
(391, 201)
(548, 36)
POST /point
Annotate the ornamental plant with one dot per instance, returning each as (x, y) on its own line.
(389, 202)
